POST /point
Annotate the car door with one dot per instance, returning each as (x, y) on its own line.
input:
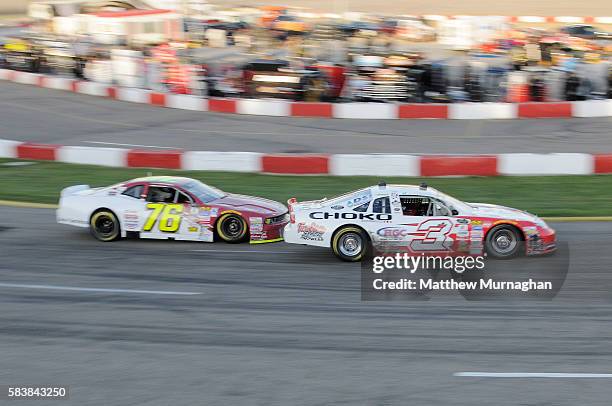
(172, 213)
(129, 205)
(426, 224)
(161, 218)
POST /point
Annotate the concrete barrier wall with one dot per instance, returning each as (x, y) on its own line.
(319, 164)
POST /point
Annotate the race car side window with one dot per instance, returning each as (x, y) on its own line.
(183, 198)
(362, 208)
(416, 206)
(439, 208)
(161, 194)
(381, 205)
(134, 191)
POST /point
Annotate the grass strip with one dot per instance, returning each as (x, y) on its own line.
(551, 196)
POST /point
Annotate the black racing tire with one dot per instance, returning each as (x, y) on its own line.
(350, 243)
(503, 242)
(232, 228)
(105, 226)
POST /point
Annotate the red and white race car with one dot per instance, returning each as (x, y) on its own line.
(168, 207)
(416, 219)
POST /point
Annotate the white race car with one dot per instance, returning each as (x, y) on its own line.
(419, 218)
(171, 207)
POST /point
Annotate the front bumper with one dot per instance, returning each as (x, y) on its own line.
(541, 243)
(269, 233)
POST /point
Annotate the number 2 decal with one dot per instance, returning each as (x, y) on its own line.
(170, 220)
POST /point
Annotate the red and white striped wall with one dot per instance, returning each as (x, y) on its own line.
(283, 108)
(510, 19)
(318, 164)
(536, 19)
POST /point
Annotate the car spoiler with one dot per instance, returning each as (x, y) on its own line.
(74, 189)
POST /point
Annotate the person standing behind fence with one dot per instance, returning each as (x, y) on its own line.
(533, 53)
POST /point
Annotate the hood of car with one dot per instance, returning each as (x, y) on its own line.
(252, 204)
(502, 212)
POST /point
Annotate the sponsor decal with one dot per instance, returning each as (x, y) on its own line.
(476, 222)
(393, 233)
(463, 221)
(395, 198)
(210, 211)
(256, 224)
(130, 220)
(320, 215)
(205, 214)
(259, 236)
(130, 215)
(199, 217)
(337, 207)
(360, 199)
(311, 232)
(193, 229)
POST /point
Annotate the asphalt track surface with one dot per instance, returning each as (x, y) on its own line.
(178, 323)
(28, 113)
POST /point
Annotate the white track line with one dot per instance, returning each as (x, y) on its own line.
(78, 289)
(530, 375)
(127, 145)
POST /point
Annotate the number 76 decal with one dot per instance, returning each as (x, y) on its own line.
(170, 219)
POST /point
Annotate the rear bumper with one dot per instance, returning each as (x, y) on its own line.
(293, 235)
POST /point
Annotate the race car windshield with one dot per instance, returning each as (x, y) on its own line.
(203, 192)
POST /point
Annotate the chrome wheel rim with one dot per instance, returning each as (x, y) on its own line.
(504, 241)
(350, 244)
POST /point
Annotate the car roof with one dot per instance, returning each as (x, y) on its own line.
(170, 180)
(412, 189)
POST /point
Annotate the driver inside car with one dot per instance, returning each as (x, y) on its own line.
(161, 195)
